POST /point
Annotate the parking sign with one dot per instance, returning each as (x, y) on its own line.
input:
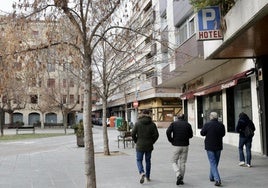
(209, 24)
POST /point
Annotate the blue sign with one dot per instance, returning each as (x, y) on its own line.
(209, 23)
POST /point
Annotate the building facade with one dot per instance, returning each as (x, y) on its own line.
(245, 38)
(226, 75)
(52, 88)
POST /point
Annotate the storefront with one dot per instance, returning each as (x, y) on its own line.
(226, 94)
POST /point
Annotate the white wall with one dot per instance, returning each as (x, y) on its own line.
(240, 15)
(225, 71)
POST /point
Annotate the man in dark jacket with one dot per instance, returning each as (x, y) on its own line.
(144, 134)
(214, 132)
(178, 133)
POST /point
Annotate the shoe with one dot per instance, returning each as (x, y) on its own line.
(148, 179)
(212, 180)
(248, 165)
(218, 183)
(142, 178)
(241, 163)
(179, 180)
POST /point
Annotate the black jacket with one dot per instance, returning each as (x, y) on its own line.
(179, 132)
(214, 132)
(242, 123)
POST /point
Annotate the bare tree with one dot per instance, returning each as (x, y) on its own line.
(86, 19)
(13, 88)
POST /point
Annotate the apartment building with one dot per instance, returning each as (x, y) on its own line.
(224, 75)
(142, 90)
(52, 94)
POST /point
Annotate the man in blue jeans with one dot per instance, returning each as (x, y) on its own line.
(144, 134)
(214, 132)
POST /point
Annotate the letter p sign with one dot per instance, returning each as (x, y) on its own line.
(209, 18)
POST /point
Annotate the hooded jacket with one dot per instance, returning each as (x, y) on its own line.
(242, 123)
(145, 133)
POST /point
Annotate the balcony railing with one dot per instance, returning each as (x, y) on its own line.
(188, 51)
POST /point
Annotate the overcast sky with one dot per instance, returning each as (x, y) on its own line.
(6, 5)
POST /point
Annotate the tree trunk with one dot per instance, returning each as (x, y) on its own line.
(106, 149)
(87, 122)
(2, 121)
(65, 115)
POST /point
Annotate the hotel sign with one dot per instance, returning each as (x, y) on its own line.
(209, 24)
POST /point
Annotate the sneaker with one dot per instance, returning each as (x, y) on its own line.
(179, 180)
(241, 163)
(218, 183)
(248, 165)
(142, 178)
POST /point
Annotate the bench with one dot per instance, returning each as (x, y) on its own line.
(26, 128)
(126, 138)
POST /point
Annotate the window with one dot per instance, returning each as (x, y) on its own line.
(35, 33)
(33, 82)
(71, 83)
(150, 73)
(206, 104)
(64, 99)
(51, 83)
(64, 83)
(191, 27)
(78, 99)
(4, 99)
(183, 33)
(34, 99)
(71, 99)
(238, 100)
(185, 30)
(51, 67)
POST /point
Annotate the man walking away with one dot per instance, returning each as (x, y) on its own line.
(178, 134)
(214, 132)
(144, 134)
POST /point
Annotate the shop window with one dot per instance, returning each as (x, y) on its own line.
(206, 104)
(238, 100)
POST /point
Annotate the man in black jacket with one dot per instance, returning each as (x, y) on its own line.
(178, 133)
(214, 131)
(144, 134)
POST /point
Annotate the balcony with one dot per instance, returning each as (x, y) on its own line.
(188, 51)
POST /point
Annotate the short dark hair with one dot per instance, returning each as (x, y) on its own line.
(181, 116)
(146, 112)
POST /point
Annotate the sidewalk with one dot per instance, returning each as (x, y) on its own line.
(58, 163)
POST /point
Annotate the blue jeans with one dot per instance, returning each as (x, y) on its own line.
(247, 142)
(214, 158)
(139, 156)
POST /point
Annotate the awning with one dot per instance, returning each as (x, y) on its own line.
(215, 87)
